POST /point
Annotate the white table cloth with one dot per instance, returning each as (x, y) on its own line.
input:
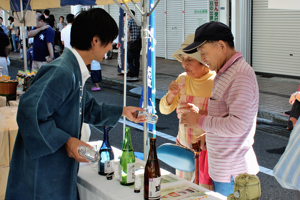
(92, 186)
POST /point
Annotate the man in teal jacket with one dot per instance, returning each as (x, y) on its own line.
(45, 159)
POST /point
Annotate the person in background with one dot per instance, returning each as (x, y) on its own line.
(230, 123)
(46, 13)
(4, 51)
(96, 75)
(43, 42)
(295, 110)
(13, 30)
(30, 54)
(3, 26)
(66, 32)
(190, 93)
(52, 110)
(54, 22)
(61, 23)
(133, 58)
(57, 41)
(20, 33)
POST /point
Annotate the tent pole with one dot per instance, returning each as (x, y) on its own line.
(23, 35)
(125, 72)
(144, 64)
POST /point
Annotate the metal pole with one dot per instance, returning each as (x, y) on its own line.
(152, 30)
(125, 71)
(144, 65)
(23, 35)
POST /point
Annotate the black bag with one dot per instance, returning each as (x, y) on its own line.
(135, 46)
(295, 112)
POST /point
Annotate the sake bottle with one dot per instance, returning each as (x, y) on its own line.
(105, 164)
(152, 176)
(127, 161)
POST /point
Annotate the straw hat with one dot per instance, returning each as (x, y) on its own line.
(189, 40)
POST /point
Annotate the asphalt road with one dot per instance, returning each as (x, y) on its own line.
(268, 146)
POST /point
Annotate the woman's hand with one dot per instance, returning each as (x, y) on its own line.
(174, 88)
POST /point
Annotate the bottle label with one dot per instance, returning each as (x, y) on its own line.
(130, 173)
(154, 188)
(109, 166)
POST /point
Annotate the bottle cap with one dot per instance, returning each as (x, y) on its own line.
(137, 190)
(109, 176)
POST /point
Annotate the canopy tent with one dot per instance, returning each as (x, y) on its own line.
(23, 5)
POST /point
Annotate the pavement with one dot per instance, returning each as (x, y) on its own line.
(274, 92)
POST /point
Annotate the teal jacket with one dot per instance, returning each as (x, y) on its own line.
(49, 113)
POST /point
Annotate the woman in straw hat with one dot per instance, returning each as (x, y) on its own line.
(190, 93)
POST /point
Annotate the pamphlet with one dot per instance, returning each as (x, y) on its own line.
(182, 192)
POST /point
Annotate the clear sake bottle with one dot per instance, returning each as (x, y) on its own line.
(105, 164)
(152, 177)
(127, 161)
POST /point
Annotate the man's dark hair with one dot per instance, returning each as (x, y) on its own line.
(52, 16)
(88, 24)
(11, 19)
(131, 11)
(61, 17)
(70, 18)
(41, 17)
(1, 18)
(47, 12)
(50, 21)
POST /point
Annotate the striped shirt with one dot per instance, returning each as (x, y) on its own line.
(231, 121)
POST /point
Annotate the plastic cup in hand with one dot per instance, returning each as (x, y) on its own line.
(151, 118)
(90, 154)
(180, 85)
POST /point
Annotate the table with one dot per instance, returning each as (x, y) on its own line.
(8, 132)
(9, 100)
(95, 187)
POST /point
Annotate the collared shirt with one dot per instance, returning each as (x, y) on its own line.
(83, 69)
(134, 30)
(60, 26)
(231, 121)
